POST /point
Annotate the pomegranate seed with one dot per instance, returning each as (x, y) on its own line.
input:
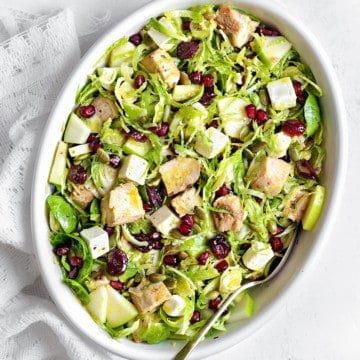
(196, 77)
(186, 25)
(135, 39)
(293, 127)
(195, 317)
(221, 266)
(171, 259)
(137, 136)
(208, 97)
(76, 261)
(62, 250)
(117, 262)
(300, 93)
(147, 207)
(222, 191)
(77, 174)
(163, 129)
(114, 160)
(138, 81)
(306, 170)
(203, 258)
(261, 116)
(73, 273)
(87, 111)
(185, 229)
(276, 244)
(251, 111)
(188, 220)
(214, 303)
(220, 246)
(278, 231)
(110, 230)
(187, 50)
(117, 285)
(208, 80)
(156, 244)
(214, 124)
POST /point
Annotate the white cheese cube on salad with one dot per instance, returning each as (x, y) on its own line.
(160, 39)
(211, 142)
(97, 239)
(164, 220)
(279, 144)
(258, 255)
(175, 306)
(134, 168)
(281, 93)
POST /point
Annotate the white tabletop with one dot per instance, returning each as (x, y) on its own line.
(323, 319)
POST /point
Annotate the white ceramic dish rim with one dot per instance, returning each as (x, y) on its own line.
(63, 297)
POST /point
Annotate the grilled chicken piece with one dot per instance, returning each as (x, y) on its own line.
(231, 220)
(238, 27)
(122, 205)
(81, 196)
(296, 207)
(180, 173)
(105, 108)
(271, 176)
(186, 202)
(159, 61)
(148, 296)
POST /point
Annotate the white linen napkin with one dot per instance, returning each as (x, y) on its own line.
(37, 53)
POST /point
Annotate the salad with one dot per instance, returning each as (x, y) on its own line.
(190, 158)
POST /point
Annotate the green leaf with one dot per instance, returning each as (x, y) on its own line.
(63, 212)
(79, 290)
(312, 115)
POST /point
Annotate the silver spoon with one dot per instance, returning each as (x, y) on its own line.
(185, 352)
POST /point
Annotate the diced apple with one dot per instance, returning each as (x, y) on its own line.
(76, 131)
(57, 173)
(314, 208)
(98, 303)
(211, 143)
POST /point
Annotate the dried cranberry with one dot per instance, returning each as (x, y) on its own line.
(188, 219)
(154, 195)
(203, 258)
(214, 124)
(250, 111)
(196, 77)
(221, 266)
(110, 230)
(156, 244)
(172, 259)
(268, 31)
(137, 136)
(276, 243)
(222, 191)
(62, 250)
(214, 303)
(305, 170)
(117, 285)
(147, 243)
(94, 142)
(261, 116)
(73, 273)
(117, 262)
(187, 50)
(138, 81)
(300, 93)
(76, 261)
(87, 111)
(147, 207)
(195, 317)
(293, 127)
(135, 39)
(114, 161)
(208, 80)
(77, 174)
(207, 98)
(185, 229)
(220, 246)
(186, 25)
(163, 129)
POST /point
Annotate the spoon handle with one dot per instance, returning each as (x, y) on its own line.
(184, 353)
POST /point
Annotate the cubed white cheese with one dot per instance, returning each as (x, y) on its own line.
(258, 255)
(97, 239)
(280, 142)
(175, 306)
(164, 220)
(211, 143)
(282, 94)
(134, 168)
(160, 39)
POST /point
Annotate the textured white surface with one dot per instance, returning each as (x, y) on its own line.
(322, 319)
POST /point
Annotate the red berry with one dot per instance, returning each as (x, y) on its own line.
(268, 31)
(208, 80)
(76, 261)
(276, 244)
(62, 250)
(261, 116)
(186, 25)
(185, 229)
(147, 207)
(87, 111)
(171, 259)
(195, 317)
(214, 124)
(77, 174)
(73, 273)
(222, 191)
(214, 303)
(110, 230)
(163, 129)
(203, 258)
(138, 81)
(135, 39)
(114, 161)
(220, 246)
(300, 93)
(94, 142)
(306, 170)
(187, 50)
(250, 111)
(117, 262)
(117, 285)
(207, 98)
(137, 136)
(188, 219)
(196, 77)
(221, 266)
(293, 127)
